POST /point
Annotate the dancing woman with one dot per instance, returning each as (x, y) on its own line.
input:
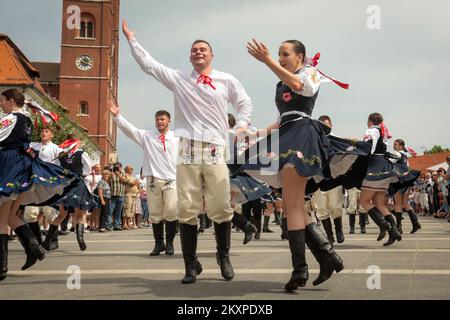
(380, 174)
(302, 159)
(401, 190)
(24, 178)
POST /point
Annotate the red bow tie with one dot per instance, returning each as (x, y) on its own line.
(163, 140)
(205, 80)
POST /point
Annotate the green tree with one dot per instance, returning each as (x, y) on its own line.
(437, 149)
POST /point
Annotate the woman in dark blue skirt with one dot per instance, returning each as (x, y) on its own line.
(78, 199)
(380, 174)
(400, 190)
(24, 178)
(296, 156)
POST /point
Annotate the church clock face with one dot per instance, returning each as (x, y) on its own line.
(84, 62)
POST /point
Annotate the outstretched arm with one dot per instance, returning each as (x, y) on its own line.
(135, 134)
(160, 72)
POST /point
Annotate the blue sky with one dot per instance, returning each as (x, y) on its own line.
(400, 70)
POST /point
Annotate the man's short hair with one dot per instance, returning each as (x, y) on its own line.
(202, 41)
(162, 113)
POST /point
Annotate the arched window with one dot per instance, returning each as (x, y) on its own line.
(87, 24)
(84, 109)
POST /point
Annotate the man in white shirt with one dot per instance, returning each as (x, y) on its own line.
(201, 99)
(48, 152)
(159, 168)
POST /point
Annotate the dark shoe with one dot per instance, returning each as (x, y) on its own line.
(117, 229)
(3, 256)
(51, 240)
(158, 234)
(80, 236)
(188, 237)
(223, 239)
(362, 222)
(415, 221)
(32, 248)
(379, 220)
(171, 230)
(300, 275)
(72, 229)
(323, 251)
(338, 228)
(36, 228)
(63, 233)
(242, 223)
(328, 229)
(266, 225)
(352, 220)
(284, 229)
(398, 218)
(393, 233)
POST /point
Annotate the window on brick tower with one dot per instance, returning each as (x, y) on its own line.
(87, 26)
(84, 109)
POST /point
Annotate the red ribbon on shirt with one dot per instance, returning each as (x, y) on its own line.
(411, 151)
(384, 131)
(203, 78)
(315, 60)
(163, 141)
(70, 146)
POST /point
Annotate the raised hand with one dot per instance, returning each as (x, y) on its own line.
(113, 108)
(129, 34)
(258, 50)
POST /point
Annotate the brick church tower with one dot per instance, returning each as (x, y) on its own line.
(89, 69)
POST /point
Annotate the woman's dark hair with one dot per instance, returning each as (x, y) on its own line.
(231, 121)
(376, 118)
(298, 47)
(16, 95)
(401, 142)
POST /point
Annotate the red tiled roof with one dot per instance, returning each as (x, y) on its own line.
(428, 160)
(15, 68)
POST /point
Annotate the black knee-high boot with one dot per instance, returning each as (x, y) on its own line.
(36, 228)
(328, 229)
(338, 228)
(379, 220)
(51, 240)
(297, 246)
(32, 248)
(258, 227)
(243, 224)
(202, 226)
(223, 241)
(266, 225)
(322, 250)
(284, 229)
(393, 233)
(398, 218)
(158, 234)
(351, 221)
(414, 220)
(188, 237)
(79, 230)
(171, 229)
(3, 256)
(362, 222)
